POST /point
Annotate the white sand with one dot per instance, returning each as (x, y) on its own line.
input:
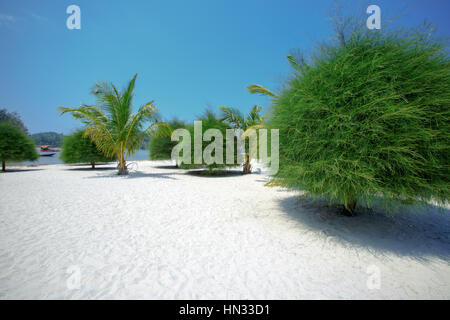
(161, 233)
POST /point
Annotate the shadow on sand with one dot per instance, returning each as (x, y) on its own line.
(90, 169)
(133, 175)
(418, 234)
(215, 174)
(166, 167)
(13, 170)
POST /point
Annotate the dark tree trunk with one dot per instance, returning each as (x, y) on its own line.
(349, 207)
(247, 166)
(3, 166)
(92, 165)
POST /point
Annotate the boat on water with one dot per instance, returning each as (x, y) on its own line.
(47, 151)
(47, 154)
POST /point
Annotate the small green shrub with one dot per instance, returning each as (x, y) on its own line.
(79, 149)
(210, 121)
(160, 144)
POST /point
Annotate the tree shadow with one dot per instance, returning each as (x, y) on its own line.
(14, 170)
(134, 175)
(414, 233)
(90, 169)
(217, 174)
(166, 167)
(139, 174)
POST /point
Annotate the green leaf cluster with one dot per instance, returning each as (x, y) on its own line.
(160, 144)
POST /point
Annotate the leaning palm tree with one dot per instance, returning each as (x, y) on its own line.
(254, 120)
(111, 124)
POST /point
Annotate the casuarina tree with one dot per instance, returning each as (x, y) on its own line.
(368, 118)
(161, 145)
(15, 145)
(77, 148)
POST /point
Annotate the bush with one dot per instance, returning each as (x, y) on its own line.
(209, 121)
(78, 149)
(15, 145)
(160, 145)
(369, 118)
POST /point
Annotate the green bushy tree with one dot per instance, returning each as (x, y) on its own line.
(15, 145)
(77, 148)
(160, 144)
(366, 118)
(209, 121)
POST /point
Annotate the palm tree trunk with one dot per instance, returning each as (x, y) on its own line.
(247, 166)
(122, 162)
(123, 167)
(3, 165)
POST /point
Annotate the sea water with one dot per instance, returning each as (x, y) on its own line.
(139, 155)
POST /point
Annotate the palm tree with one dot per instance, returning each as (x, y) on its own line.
(253, 120)
(111, 124)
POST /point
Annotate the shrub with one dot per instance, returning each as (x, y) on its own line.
(368, 118)
(79, 149)
(161, 145)
(210, 121)
(15, 145)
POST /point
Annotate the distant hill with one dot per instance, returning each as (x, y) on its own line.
(48, 138)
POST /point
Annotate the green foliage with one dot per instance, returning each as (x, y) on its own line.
(368, 118)
(15, 145)
(209, 121)
(253, 121)
(111, 124)
(48, 138)
(14, 118)
(160, 145)
(79, 149)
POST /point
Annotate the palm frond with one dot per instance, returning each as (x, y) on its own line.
(232, 116)
(257, 89)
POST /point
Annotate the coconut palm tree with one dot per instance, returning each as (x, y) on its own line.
(236, 120)
(111, 124)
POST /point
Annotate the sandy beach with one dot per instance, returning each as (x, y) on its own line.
(68, 232)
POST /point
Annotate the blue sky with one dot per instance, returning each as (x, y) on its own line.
(188, 54)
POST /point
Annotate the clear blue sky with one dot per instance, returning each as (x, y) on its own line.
(187, 53)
